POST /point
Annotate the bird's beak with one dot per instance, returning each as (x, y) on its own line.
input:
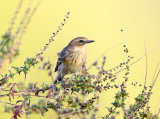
(90, 41)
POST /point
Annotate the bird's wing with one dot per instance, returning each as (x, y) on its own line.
(61, 58)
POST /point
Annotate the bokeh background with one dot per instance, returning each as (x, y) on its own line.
(101, 21)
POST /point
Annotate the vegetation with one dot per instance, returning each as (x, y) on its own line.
(69, 100)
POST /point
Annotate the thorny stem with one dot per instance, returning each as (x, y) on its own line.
(28, 91)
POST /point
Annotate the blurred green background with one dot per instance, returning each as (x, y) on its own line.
(101, 21)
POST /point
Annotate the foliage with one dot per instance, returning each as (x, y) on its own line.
(70, 99)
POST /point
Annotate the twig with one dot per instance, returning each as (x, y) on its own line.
(149, 94)
(103, 55)
(45, 47)
(27, 92)
(3, 44)
(155, 80)
(131, 64)
(15, 16)
(28, 21)
(146, 70)
(158, 112)
(7, 103)
(21, 23)
(111, 111)
(155, 72)
(54, 34)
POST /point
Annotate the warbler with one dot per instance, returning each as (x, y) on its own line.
(72, 58)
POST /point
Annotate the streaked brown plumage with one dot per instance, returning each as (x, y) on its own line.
(71, 58)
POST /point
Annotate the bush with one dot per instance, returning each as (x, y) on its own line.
(69, 100)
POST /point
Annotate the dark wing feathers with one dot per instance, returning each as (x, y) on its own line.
(61, 58)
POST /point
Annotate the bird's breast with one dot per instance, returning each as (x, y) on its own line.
(74, 62)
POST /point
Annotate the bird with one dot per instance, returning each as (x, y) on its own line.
(72, 58)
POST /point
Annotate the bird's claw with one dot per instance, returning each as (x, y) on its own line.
(53, 84)
(62, 84)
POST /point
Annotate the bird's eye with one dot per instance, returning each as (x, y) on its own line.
(81, 41)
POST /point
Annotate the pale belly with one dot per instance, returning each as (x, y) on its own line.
(72, 66)
(68, 69)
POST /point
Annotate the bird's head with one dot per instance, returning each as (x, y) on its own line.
(80, 42)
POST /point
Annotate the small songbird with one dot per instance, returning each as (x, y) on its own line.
(71, 58)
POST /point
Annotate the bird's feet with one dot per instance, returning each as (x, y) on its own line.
(52, 85)
(62, 84)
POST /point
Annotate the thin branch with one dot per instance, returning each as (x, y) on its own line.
(54, 34)
(155, 80)
(146, 69)
(15, 16)
(155, 73)
(131, 64)
(27, 92)
(111, 111)
(158, 112)
(21, 22)
(45, 47)
(7, 103)
(3, 43)
(103, 54)
(27, 22)
(149, 94)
